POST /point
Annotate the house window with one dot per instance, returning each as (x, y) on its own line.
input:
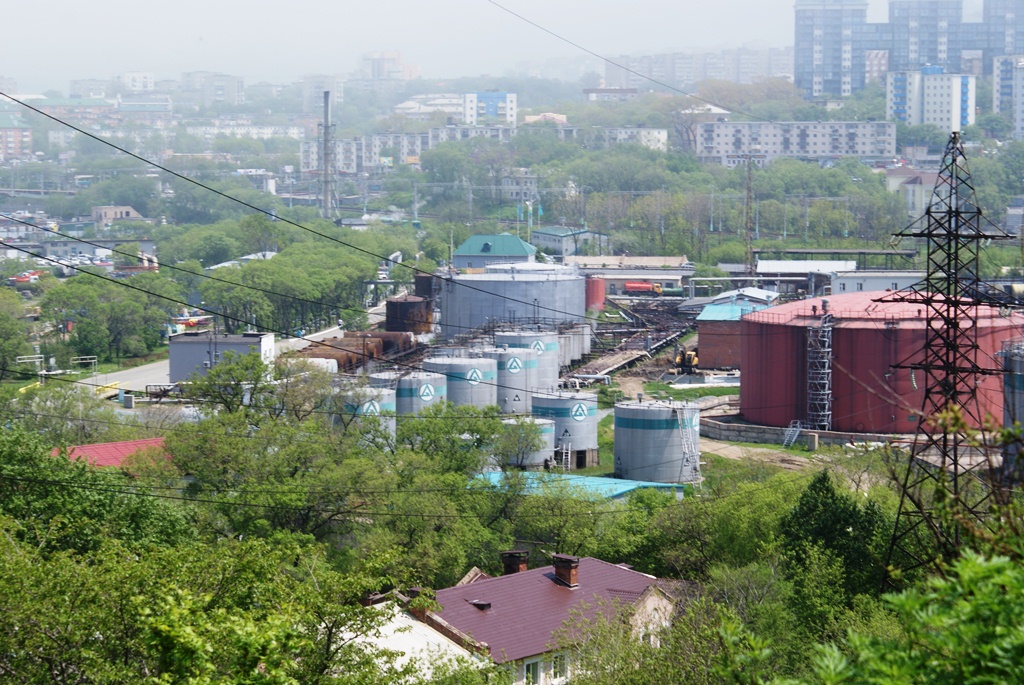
(559, 667)
(842, 286)
(895, 286)
(860, 286)
(531, 672)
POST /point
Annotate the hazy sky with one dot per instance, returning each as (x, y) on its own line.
(59, 40)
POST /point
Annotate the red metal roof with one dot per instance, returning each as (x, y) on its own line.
(528, 607)
(111, 453)
(863, 309)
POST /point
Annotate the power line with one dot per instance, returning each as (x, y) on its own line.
(203, 274)
(621, 66)
(267, 213)
(268, 329)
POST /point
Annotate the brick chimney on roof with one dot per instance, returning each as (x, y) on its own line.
(514, 561)
(567, 569)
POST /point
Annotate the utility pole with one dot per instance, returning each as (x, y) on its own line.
(748, 238)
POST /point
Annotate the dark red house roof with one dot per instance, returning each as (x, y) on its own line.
(516, 615)
(111, 453)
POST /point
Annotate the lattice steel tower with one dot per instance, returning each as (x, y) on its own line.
(944, 464)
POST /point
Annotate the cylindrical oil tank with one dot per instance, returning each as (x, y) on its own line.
(394, 342)
(423, 286)
(409, 313)
(385, 379)
(586, 338)
(517, 376)
(522, 293)
(873, 342)
(535, 460)
(575, 417)
(449, 351)
(472, 381)
(545, 344)
(372, 402)
(657, 441)
(595, 293)
(420, 390)
(564, 349)
(1013, 403)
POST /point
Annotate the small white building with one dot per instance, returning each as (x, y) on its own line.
(561, 241)
(869, 281)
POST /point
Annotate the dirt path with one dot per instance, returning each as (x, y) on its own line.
(779, 458)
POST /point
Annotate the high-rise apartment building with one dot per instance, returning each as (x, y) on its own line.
(833, 38)
(828, 51)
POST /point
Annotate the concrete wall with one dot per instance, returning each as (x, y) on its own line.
(727, 428)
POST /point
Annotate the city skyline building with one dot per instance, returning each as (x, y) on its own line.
(833, 40)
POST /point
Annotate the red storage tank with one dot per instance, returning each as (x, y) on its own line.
(595, 293)
(868, 339)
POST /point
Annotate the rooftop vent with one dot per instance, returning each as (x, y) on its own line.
(480, 604)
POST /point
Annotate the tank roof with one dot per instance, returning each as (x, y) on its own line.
(864, 310)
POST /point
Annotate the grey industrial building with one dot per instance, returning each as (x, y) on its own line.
(196, 353)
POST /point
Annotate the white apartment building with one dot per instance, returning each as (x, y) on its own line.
(929, 96)
(653, 138)
(731, 142)
(490, 108)
(355, 155)
(137, 81)
(256, 132)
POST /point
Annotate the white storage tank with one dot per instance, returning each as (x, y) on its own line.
(548, 294)
(471, 381)
(517, 376)
(537, 459)
(657, 440)
(372, 402)
(420, 390)
(575, 417)
(385, 379)
(565, 349)
(585, 332)
(545, 344)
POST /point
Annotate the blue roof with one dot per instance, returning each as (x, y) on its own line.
(727, 311)
(609, 488)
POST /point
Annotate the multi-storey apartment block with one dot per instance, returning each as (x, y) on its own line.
(929, 96)
(732, 143)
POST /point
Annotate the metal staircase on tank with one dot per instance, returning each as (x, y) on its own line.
(691, 453)
(792, 433)
(819, 371)
(565, 456)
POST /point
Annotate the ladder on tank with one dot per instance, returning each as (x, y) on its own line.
(691, 453)
(792, 433)
(565, 456)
